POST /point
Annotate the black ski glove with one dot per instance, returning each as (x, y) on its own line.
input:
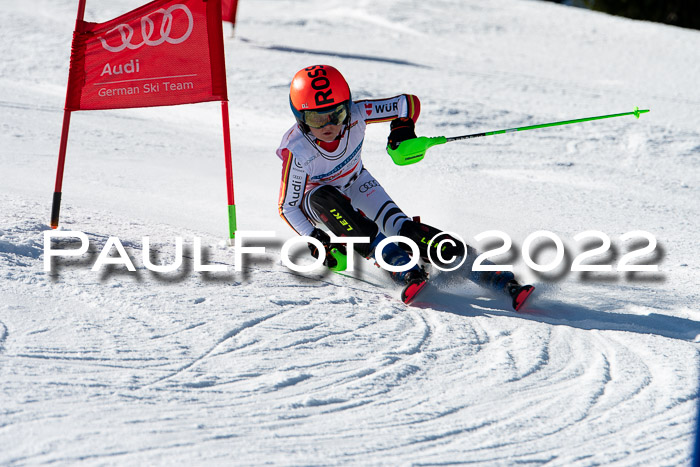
(402, 128)
(323, 237)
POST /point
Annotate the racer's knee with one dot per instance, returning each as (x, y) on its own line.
(337, 213)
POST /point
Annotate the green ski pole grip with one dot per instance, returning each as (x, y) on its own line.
(341, 260)
(413, 150)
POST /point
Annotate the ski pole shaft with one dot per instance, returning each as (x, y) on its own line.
(636, 113)
(413, 150)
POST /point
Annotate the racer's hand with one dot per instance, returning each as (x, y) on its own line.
(329, 261)
(402, 128)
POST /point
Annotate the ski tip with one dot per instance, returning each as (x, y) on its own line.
(410, 292)
(521, 296)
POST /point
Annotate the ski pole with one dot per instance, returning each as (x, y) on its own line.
(413, 150)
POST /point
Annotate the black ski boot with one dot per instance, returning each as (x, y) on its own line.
(519, 293)
(415, 280)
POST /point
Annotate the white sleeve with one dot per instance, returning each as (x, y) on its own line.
(292, 188)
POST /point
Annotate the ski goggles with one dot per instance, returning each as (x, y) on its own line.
(318, 119)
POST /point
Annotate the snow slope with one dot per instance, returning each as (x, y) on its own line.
(270, 366)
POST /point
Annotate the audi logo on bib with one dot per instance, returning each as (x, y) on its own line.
(150, 33)
(166, 52)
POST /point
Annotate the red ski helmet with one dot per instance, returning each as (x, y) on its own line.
(319, 92)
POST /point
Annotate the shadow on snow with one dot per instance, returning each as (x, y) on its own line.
(328, 53)
(558, 313)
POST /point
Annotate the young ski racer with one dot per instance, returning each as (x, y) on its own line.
(324, 181)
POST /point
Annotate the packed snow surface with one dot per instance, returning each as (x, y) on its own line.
(266, 365)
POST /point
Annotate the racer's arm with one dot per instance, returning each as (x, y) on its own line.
(292, 188)
(386, 110)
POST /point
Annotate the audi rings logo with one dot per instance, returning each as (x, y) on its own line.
(148, 28)
(368, 186)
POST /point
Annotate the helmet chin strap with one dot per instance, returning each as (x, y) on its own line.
(346, 127)
(346, 124)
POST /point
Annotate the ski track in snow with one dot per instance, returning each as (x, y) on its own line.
(270, 366)
(285, 370)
